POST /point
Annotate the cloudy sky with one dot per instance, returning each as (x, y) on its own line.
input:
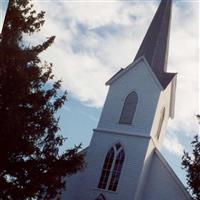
(94, 39)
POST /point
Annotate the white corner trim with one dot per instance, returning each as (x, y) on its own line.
(173, 95)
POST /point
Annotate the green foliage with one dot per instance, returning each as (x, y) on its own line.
(191, 163)
(30, 164)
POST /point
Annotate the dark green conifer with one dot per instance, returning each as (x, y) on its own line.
(31, 166)
(191, 163)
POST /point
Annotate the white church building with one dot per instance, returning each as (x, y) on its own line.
(123, 159)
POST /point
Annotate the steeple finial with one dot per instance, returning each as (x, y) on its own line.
(155, 44)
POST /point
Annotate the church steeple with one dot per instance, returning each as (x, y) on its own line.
(155, 44)
(125, 145)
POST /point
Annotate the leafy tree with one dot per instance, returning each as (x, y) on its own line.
(191, 163)
(31, 166)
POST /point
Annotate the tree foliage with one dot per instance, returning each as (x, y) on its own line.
(30, 163)
(191, 163)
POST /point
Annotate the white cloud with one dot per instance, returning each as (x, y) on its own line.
(87, 51)
(184, 59)
(95, 39)
(173, 145)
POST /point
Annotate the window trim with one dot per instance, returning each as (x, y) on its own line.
(106, 169)
(118, 148)
(160, 125)
(116, 171)
(121, 118)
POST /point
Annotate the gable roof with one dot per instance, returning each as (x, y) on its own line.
(172, 173)
(122, 71)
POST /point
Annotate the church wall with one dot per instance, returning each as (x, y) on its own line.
(145, 174)
(84, 185)
(135, 149)
(145, 171)
(164, 101)
(74, 183)
(137, 79)
(161, 184)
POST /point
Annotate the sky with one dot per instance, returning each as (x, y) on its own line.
(94, 39)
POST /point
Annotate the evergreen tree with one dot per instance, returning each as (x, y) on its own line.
(191, 163)
(31, 166)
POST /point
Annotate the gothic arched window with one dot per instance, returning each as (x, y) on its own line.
(162, 116)
(101, 197)
(116, 171)
(112, 168)
(129, 108)
(106, 169)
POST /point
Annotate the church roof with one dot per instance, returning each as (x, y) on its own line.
(154, 47)
(156, 43)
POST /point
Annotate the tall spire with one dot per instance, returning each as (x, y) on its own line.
(156, 41)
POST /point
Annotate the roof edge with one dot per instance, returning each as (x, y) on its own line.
(172, 173)
(170, 76)
(126, 69)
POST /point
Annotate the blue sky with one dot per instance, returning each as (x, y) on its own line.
(95, 39)
(3, 5)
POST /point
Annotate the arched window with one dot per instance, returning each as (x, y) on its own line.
(101, 197)
(106, 169)
(112, 168)
(162, 116)
(129, 108)
(116, 171)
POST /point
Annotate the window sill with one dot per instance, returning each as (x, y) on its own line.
(106, 191)
(126, 124)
